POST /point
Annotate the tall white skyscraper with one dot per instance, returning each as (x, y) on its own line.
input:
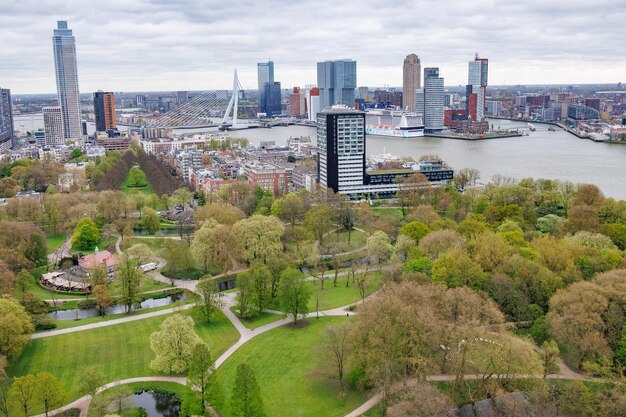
(64, 47)
(53, 126)
(433, 100)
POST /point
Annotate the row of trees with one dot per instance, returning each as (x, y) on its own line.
(115, 175)
(159, 175)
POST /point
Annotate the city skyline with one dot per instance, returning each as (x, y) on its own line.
(206, 45)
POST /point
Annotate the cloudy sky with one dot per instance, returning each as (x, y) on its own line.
(131, 45)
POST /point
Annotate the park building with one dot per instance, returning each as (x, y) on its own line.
(342, 165)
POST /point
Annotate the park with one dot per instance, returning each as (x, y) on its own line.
(150, 297)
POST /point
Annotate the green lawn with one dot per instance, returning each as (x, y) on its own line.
(55, 241)
(147, 190)
(260, 320)
(333, 297)
(286, 364)
(122, 351)
(358, 239)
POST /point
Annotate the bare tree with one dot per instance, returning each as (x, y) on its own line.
(334, 351)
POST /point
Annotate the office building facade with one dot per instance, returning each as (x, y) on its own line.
(265, 75)
(64, 47)
(272, 99)
(297, 103)
(104, 109)
(53, 126)
(411, 81)
(476, 90)
(337, 82)
(7, 129)
(433, 100)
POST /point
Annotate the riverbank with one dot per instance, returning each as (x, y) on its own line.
(485, 136)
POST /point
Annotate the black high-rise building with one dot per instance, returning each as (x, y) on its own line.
(271, 99)
(341, 148)
(7, 132)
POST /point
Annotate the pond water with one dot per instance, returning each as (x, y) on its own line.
(84, 313)
(158, 404)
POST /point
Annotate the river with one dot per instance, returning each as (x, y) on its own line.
(541, 154)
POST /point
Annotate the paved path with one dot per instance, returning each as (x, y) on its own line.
(111, 322)
(61, 252)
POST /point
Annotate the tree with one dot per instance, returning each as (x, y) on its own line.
(209, 302)
(117, 395)
(181, 196)
(24, 282)
(98, 276)
(222, 213)
(261, 277)
(102, 298)
(216, 245)
(319, 221)
(150, 220)
(292, 208)
(261, 236)
(582, 217)
(86, 234)
(7, 278)
(294, 293)
(173, 344)
(438, 242)
(23, 391)
(15, 328)
(246, 295)
(550, 354)
(128, 276)
(246, 398)
(136, 177)
(335, 349)
(346, 217)
(200, 377)
(414, 191)
(48, 391)
(416, 230)
(378, 248)
(91, 379)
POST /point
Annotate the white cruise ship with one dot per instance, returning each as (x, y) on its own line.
(395, 123)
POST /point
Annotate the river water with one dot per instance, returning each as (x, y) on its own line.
(541, 154)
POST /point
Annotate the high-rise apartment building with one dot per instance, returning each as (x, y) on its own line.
(104, 108)
(64, 47)
(433, 100)
(411, 81)
(337, 82)
(341, 148)
(272, 99)
(265, 73)
(7, 130)
(53, 126)
(476, 89)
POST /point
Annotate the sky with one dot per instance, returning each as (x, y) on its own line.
(149, 45)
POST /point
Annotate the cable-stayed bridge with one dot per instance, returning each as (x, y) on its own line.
(209, 109)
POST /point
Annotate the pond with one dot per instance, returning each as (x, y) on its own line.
(84, 313)
(158, 404)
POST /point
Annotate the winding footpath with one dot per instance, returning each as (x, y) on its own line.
(246, 335)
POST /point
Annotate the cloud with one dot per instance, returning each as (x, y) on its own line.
(130, 45)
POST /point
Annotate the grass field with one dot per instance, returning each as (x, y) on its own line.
(260, 320)
(121, 351)
(358, 239)
(333, 297)
(55, 241)
(286, 364)
(147, 190)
